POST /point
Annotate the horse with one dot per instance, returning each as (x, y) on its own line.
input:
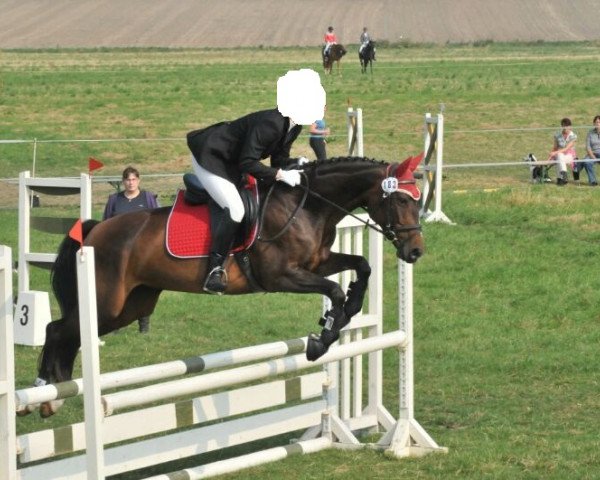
(366, 56)
(336, 52)
(292, 254)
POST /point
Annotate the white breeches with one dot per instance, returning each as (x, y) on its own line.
(221, 190)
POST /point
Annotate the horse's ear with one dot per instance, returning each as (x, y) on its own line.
(409, 165)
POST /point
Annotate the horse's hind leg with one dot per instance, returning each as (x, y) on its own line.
(56, 360)
(139, 303)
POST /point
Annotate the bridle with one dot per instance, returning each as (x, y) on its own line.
(388, 231)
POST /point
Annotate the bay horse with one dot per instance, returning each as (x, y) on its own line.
(336, 52)
(133, 266)
(366, 56)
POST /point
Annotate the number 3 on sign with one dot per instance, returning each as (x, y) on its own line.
(24, 319)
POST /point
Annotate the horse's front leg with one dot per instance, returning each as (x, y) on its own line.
(343, 306)
(298, 280)
(340, 262)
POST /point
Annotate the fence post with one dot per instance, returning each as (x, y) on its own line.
(355, 132)
(434, 144)
(90, 359)
(8, 440)
(33, 306)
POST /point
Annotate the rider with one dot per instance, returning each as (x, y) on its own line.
(365, 38)
(330, 39)
(221, 153)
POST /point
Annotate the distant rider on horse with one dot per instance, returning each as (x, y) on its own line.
(223, 152)
(365, 38)
(330, 39)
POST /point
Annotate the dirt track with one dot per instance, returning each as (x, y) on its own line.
(232, 23)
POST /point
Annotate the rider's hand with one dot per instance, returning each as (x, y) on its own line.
(302, 161)
(291, 177)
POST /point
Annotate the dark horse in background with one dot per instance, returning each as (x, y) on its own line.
(336, 52)
(366, 56)
(133, 266)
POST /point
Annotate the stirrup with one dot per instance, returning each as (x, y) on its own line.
(216, 281)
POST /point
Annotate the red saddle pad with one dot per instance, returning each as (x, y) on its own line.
(188, 230)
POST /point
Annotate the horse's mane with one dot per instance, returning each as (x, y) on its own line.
(337, 162)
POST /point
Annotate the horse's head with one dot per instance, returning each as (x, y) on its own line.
(394, 206)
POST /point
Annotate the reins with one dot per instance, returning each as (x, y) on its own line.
(342, 209)
(387, 231)
(289, 221)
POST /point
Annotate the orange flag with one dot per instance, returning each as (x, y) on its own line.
(76, 232)
(94, 164)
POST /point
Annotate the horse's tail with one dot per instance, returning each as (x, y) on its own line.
(63, 275)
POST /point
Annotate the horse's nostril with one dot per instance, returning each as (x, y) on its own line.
(416, 253)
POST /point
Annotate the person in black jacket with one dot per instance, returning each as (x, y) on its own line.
(226, 150)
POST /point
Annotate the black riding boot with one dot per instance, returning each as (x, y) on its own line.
(223, 230)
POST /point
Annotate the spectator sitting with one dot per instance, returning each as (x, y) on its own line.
(129, 200)
(563, 151)
(592, 147)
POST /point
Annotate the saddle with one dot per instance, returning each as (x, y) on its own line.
(196, 195)
(188, 227)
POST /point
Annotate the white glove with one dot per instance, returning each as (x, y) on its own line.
(291, 177)
(302, 161)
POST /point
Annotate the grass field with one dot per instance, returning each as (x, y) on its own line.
(506, 301)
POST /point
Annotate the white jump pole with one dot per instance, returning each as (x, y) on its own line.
(153, 393)
(251, 460)
(8, 452)
(161, 371)
(90, 359)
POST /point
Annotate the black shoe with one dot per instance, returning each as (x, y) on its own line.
(593, 184)
(216, 282)
(562, 179)
(144, 324)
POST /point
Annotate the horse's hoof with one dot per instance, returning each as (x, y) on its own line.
(47, 409)
(23, 412)
(315, 347)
